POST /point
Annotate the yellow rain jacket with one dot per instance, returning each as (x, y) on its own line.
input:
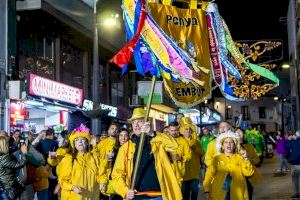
(253, 157)
(222, 165)
(184, 152)
(60, 154)
(123, 168)
(192, 167)
(105, 146)
(210, 153)
(83, 171)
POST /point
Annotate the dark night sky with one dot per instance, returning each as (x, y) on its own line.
(255, 19)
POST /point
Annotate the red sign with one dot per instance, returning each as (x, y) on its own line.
(47, 88)
(17, 114)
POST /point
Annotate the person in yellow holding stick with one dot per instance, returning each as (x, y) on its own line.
(182, 154)
(226, 176)
(155, 177)
(190, 185)
(106, 150)
(79, 178)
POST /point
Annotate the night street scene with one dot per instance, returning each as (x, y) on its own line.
(149, 100)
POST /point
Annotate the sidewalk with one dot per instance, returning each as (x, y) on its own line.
(273, 185)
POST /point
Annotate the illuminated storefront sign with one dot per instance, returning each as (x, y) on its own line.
(17, 114)
(47, 88)
(113, 110)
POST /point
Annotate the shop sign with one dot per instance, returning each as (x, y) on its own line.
(43, 87)
(144, 88)
(113, 110)
(87, 105)
(158, 115)
(17, 114)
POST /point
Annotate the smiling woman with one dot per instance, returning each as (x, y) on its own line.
(79, 179)
(225, 178)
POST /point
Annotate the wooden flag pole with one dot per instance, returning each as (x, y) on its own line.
(142, 137)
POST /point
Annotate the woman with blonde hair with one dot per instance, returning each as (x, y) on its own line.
(225, 177)
(10, 187)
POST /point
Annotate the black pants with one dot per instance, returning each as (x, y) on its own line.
(250, 189)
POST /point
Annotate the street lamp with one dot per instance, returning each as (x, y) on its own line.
(96, 122)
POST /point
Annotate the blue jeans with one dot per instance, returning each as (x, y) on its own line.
(3, 196)
(295, 178)
(190, 189)
(42, 194)
(155, 198)
(283, 163)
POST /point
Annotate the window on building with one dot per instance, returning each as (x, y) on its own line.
(117, 89)
(262, 112)
(245, 112)
(228, 113)
(71, 65)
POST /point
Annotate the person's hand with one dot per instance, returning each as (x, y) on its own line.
(130, 194)
(24, 149)
(175, 157)
(102, 187)
(146, 128)
(243, 153)
(206, 195)
(52, 154)
(76, 189)
(93, 142)
(109, 156)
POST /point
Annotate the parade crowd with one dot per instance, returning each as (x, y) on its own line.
(174, 162)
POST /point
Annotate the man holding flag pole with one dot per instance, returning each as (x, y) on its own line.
(154, 176)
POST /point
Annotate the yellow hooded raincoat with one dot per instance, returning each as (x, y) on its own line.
(123, 168)
(83, 171)
(193, 167)
(222, 165)
(184, 152)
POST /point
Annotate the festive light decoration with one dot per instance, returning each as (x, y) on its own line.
(249, 86)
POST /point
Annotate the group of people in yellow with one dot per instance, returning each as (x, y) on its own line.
(169, 168)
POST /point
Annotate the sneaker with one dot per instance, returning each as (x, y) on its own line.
(295, 196)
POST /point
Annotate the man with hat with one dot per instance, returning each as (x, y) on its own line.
(155, 177)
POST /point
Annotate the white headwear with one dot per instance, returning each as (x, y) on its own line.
(228, 134)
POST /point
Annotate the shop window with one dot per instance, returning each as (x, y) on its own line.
(245, 112)
(72, 65)
(36, 55)
(117, 88)
(228, 113)
(117, 91)
(262, 112)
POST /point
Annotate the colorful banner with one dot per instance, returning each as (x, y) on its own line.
(188, 28)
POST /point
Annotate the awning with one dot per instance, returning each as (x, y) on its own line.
(163, 108)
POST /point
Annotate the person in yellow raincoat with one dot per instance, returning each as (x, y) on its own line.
(182, 154)
(155, 176)
(106, 150)
(190, 185)
(253, 157)
(211, 147)
(225, 177)
(54, 158)
(79, 178)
